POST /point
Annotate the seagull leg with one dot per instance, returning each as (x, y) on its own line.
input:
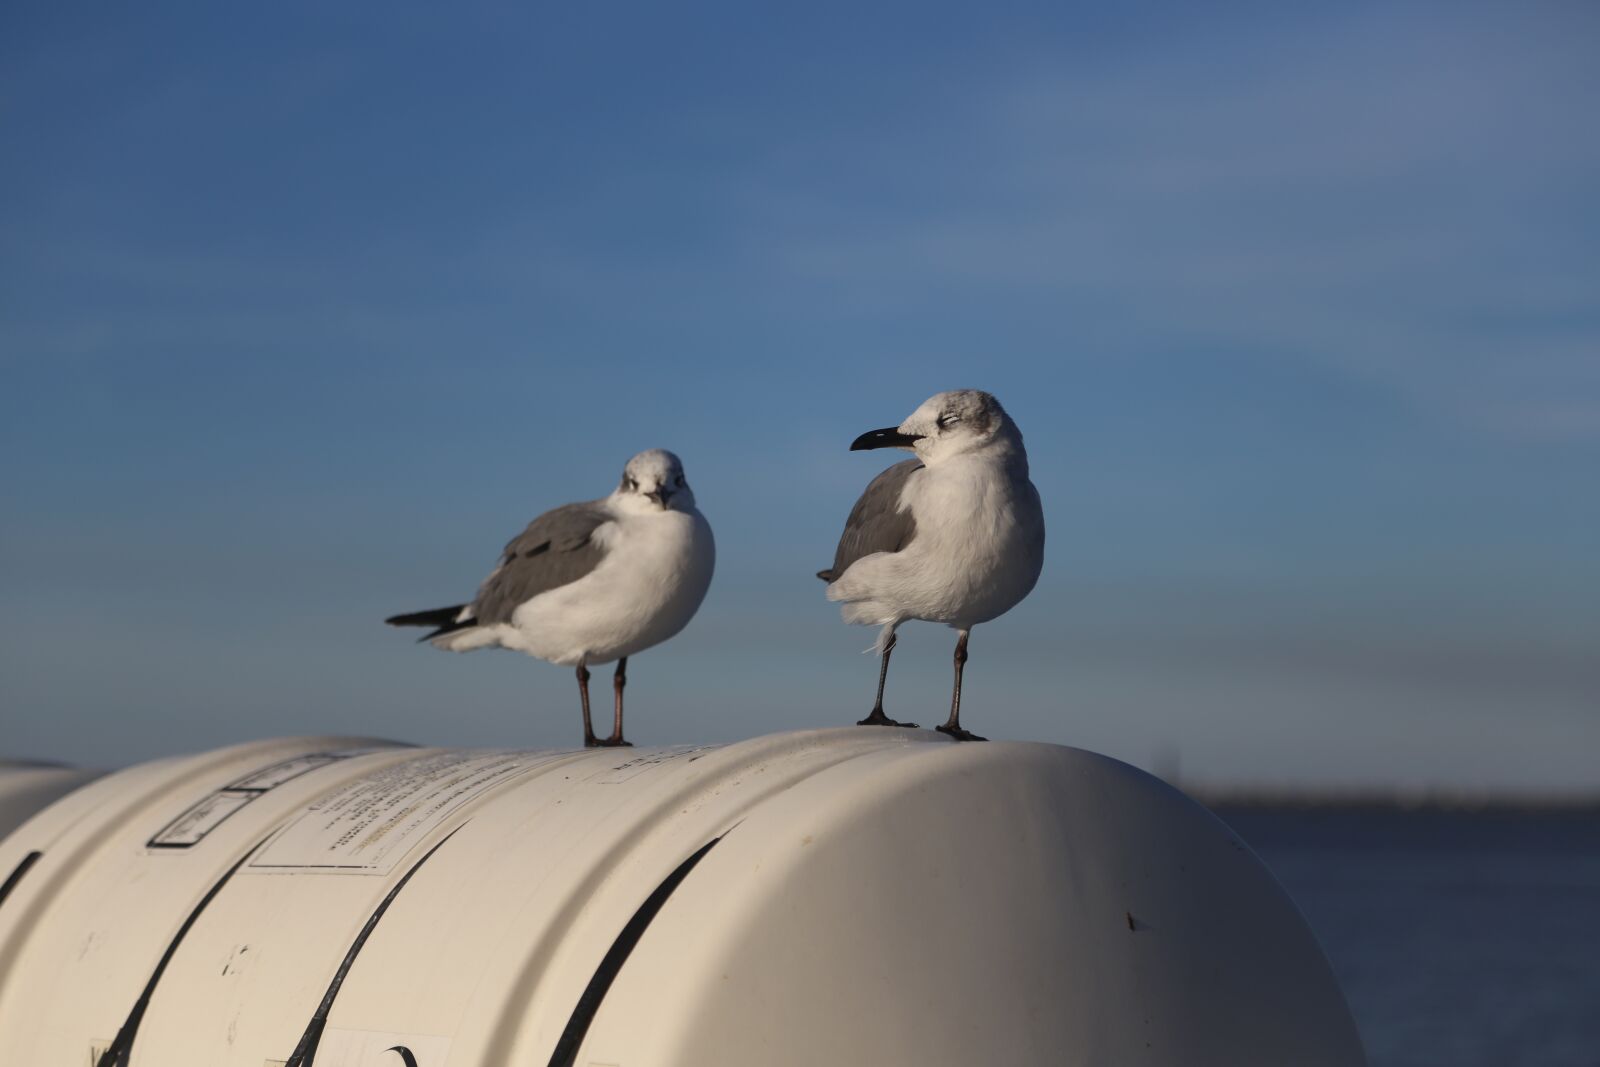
(952, 725)
(617, 682)
(583, 695)
(878, 718)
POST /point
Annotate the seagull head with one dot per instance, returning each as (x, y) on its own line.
(946, 425)
(653, 481)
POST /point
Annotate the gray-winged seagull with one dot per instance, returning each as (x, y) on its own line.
(954, 536)
(592, 582)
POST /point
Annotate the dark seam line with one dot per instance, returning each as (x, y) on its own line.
(306, 1050)
(16, 875)
(121, 1047)
(566, 1052)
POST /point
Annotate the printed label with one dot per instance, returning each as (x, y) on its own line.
(367, 825)
(639, 764)
(209, 812)
(192, 826)
(275, 775)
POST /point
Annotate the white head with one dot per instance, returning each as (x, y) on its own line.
(653, 481)
(950, 424)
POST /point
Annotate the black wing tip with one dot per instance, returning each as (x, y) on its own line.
(828, 576)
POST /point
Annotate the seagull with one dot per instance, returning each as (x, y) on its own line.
(955, 535)
(592, 582)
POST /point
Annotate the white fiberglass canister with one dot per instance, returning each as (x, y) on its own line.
(25, 787)
(838, 897)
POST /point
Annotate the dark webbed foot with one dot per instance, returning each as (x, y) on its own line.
(606, 742)
(878, 718)
(959, 734)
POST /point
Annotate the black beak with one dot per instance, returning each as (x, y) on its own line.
(890, 437)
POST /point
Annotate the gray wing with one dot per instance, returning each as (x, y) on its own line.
(876, 523)
(555, 550)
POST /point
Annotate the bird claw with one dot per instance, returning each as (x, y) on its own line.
(878, 718)
(959, 734)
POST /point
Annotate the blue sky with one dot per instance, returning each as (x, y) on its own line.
(303, 313)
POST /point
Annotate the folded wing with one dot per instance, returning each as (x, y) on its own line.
(556, 549)
(876, 523)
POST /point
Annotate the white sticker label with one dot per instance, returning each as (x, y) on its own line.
(193, 825)
(207, 813)
(278, 773)
(367, 825)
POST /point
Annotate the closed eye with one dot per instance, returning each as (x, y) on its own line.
(948, 420)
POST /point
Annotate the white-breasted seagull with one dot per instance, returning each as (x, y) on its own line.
(954, 536)
(592, 582)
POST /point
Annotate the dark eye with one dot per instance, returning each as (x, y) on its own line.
(680, 481)
(631, 484)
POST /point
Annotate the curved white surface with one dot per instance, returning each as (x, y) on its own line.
(25, 788)
(850, 896)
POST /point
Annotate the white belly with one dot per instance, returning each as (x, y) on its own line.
(978, 550)
(654, 576)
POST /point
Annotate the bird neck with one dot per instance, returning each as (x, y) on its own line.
(1004, 450)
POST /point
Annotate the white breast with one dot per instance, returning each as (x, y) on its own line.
(655, 573)
(978, 549)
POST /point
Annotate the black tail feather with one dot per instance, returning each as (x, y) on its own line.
(443, 619)
(432, 617)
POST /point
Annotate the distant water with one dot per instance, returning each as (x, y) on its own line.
(1462, 940)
